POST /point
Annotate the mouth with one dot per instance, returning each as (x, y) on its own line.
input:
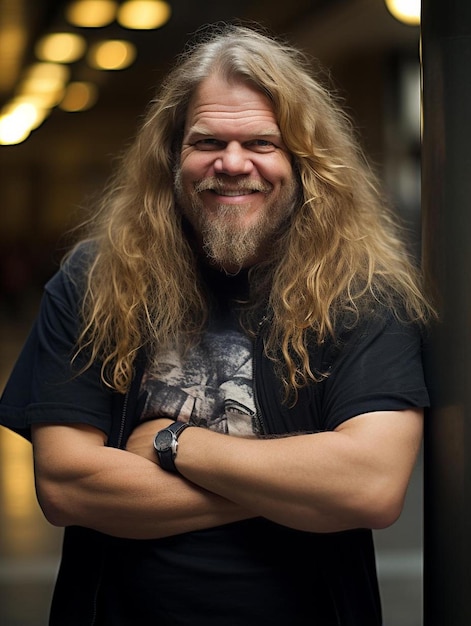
(233, 193)
(236, 189)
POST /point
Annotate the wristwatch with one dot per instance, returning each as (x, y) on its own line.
(166, 444)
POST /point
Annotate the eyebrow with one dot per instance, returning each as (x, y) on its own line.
(205, 132)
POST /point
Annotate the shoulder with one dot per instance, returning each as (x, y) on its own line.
(69, 282)
(378, 317)
(375, 331)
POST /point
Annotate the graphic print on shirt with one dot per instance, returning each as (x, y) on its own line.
(212, 387)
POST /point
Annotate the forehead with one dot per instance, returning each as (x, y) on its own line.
(219, 100)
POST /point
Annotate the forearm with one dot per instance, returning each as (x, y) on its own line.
(123, 494)
(254, 475)
(325, 482)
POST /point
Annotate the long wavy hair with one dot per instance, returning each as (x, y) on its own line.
(341, 250)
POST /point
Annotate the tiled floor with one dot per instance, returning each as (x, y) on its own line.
(29, 546)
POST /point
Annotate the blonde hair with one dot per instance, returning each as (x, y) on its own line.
(340, 252)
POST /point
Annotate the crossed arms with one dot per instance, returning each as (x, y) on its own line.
(353, 477)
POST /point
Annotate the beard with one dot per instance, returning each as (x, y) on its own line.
(225, 240)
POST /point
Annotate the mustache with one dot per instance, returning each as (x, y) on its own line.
(214, 183)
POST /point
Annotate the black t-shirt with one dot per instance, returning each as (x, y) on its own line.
(248, 573)
(252, 573)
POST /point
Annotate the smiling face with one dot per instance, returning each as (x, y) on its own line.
(235, 182)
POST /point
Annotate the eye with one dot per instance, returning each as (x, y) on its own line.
(261, 145)
(208, 143)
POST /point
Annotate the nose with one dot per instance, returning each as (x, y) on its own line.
(233, 160)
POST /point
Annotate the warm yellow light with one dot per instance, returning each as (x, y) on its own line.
(79, 96)
(91, 13)
(13, 43)
(113, 54)
(406, 11)
(60, 47)
(16, 471)
(31, 110)
(50, 74)
(144, 14)
(45, 81)
(36, 91)
(11, 131)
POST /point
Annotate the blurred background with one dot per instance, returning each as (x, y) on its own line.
(75, 79)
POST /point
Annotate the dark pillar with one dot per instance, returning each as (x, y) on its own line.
(446, 202)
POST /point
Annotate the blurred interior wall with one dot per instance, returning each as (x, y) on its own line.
(446, 193)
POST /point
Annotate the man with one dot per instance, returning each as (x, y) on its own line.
(224, 386)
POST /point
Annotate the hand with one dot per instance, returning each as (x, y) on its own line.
(141, 441)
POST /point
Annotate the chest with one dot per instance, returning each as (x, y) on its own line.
(211, 385)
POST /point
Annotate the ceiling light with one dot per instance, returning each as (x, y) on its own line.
(113, 54)
(144, 14)
(25, 111)
(45, 82)
(91, 13)
(46, 77)
(50, 72)
(79, 96)
(61, 47)
(31, 112)
(406, 11)
(45, 98)
(12, 131)
(16, 123)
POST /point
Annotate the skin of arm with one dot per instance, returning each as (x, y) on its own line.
(353, 477)
(81, 481)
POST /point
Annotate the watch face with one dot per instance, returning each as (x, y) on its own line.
(163, 440)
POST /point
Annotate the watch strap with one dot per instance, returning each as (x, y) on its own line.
(177, 427)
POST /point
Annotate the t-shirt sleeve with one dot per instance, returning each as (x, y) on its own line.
(46, 384)
(378, 369)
